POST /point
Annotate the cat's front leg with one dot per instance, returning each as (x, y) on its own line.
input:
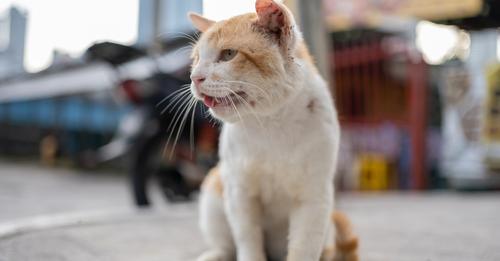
(244, 216)
(308, 228)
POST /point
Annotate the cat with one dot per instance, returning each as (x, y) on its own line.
(271, 195)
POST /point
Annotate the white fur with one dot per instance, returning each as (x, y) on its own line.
(278, 179)
(277, 164)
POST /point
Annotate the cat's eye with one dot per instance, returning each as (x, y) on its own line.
(227, 55)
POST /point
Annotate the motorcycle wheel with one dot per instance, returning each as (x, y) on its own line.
(148, 166)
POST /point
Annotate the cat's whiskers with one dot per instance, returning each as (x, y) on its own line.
(175, 101)
(213, 121)
(186, 102)
(221, 87)
(178, 112)
(178, 34)
(190, 37)
(191, 131)
(181, 119)
(197, 34)
(267, 96)
(249, 107)
(177, 128)
(183, 49)
(183, 88)
(239, 115)
(190, 107)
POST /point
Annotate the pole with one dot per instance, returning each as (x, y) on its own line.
(310, 16)
(156, 45)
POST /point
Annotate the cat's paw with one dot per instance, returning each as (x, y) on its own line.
(214, 255)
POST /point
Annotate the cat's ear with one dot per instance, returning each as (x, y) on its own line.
(276, 19)
(199, 22)
(272, 15)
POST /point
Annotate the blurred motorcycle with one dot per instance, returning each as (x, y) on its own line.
(149, 85)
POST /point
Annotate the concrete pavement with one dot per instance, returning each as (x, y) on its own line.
(48, 214)
(27, 190)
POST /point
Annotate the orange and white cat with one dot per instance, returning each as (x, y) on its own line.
(271, 196)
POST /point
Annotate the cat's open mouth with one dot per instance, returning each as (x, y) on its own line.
(232, 99)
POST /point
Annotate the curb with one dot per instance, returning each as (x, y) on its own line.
(44, 222)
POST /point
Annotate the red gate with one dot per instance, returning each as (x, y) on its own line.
(380, 81)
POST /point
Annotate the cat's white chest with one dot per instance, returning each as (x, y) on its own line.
(264, 164)
(275, 160)
(281, 163)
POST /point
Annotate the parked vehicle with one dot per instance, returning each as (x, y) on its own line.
(144, 134)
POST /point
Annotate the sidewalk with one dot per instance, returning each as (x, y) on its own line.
(145, 236)
(51, 214)
(27, 190)
(96, 222)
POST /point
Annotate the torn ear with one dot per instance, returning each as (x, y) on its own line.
(273, 16)
(199, 22)
(277, 20)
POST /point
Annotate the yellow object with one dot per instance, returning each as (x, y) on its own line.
(491, 130)
(373, 172)
(492, 113)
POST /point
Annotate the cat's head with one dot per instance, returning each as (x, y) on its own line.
(248, 64)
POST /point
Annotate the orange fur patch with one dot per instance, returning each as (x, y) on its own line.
(241, 33)
(302, 53)
(346, 243)
(263, 67)
(213, 182)
(216, 77)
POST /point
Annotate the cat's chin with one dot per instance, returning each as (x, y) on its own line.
(239, 112)
(225, 110)
(225, 114)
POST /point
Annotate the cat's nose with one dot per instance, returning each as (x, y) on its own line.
(197, 80)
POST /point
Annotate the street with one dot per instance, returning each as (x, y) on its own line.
(61, 214)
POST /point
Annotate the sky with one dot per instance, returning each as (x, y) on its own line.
(73, 25)
(222, 9)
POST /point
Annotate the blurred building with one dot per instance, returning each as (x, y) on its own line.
(164, 18)
(73, 102)
(395, 134)
(12, 42)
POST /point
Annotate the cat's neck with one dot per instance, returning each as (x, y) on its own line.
(308, 82)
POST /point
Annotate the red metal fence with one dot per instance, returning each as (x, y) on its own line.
(379, 81)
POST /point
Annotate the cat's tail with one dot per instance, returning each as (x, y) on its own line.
(346, 242)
